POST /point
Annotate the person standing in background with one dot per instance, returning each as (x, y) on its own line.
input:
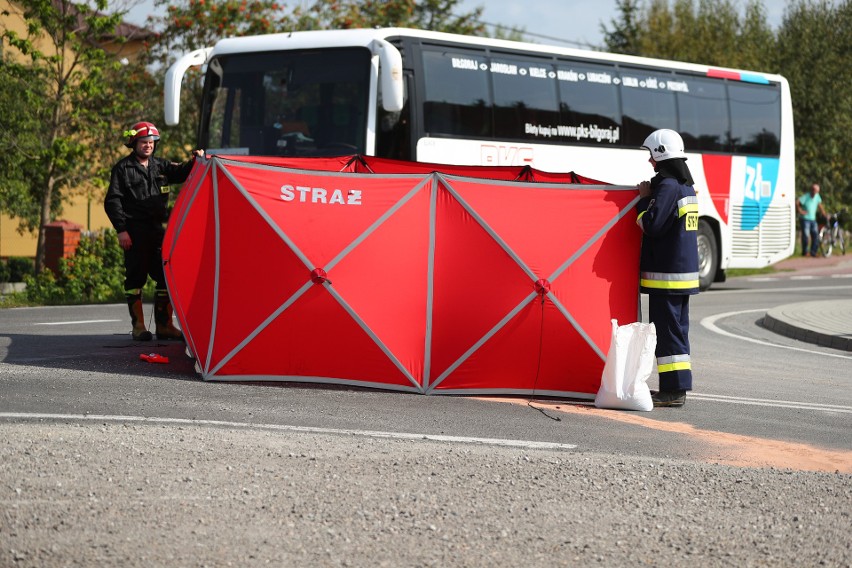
(808, 204)
(136, 203)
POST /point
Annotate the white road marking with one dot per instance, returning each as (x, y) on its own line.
(710, 323)
(715, 292)
(74, 322)
(773, 403)
(801, 277)
(525, 444)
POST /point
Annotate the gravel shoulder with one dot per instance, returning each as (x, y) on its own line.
(83, 494)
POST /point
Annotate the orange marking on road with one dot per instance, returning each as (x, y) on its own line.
(734, 449)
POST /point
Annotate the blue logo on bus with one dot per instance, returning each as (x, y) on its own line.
(761, 179)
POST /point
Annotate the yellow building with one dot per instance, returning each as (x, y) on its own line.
(86, 207)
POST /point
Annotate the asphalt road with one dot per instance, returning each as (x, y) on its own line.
(109, 460)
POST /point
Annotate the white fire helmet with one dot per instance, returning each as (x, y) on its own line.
(664, 144)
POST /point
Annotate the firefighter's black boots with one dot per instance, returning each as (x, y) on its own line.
(163, 317)
(137, 318)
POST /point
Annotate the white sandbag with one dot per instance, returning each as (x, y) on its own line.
(629, 364)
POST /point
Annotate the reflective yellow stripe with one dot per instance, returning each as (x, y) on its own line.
(668, 284)
(683, 366)
(639, 220)
(689, 208)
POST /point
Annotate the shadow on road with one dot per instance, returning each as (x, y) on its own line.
(97, 353)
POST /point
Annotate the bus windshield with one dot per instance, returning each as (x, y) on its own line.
(287, 103)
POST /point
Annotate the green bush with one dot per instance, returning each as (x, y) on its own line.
(44, 289)
(95, 274)
(16, 269)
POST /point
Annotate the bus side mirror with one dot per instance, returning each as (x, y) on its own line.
(174, 78)
(390, 71)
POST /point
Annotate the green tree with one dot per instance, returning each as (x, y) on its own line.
(624, 36)
(70, 96)
(814, 47)
(708, 31)
(23, 114)
(435, 15)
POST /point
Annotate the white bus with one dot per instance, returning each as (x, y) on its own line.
(452, 99)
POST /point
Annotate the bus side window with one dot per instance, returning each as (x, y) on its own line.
(646, 103)
(703, 114)
(457, 95)
(526, 105)
(755, 118)
(588, 96)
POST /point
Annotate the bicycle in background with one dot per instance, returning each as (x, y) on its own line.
(831, 235)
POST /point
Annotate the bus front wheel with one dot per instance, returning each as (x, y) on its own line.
(708, 255)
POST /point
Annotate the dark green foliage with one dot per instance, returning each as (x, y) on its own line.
(624, 36)
(814, 50)
(711, 32)
(15, 269)
(23, 115)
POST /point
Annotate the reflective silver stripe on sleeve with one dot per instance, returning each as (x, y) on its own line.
(670, 276)
(687, 205)
(673, 359)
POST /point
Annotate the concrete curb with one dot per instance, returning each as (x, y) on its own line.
(828, 324)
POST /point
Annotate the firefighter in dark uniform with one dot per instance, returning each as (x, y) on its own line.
(668, 216)
(137, 206)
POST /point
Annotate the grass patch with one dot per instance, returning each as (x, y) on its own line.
(732, 272)
(15, 300)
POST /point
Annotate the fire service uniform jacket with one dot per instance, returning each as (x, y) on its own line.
(140, 196)
(669, 222)
(669, 273)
